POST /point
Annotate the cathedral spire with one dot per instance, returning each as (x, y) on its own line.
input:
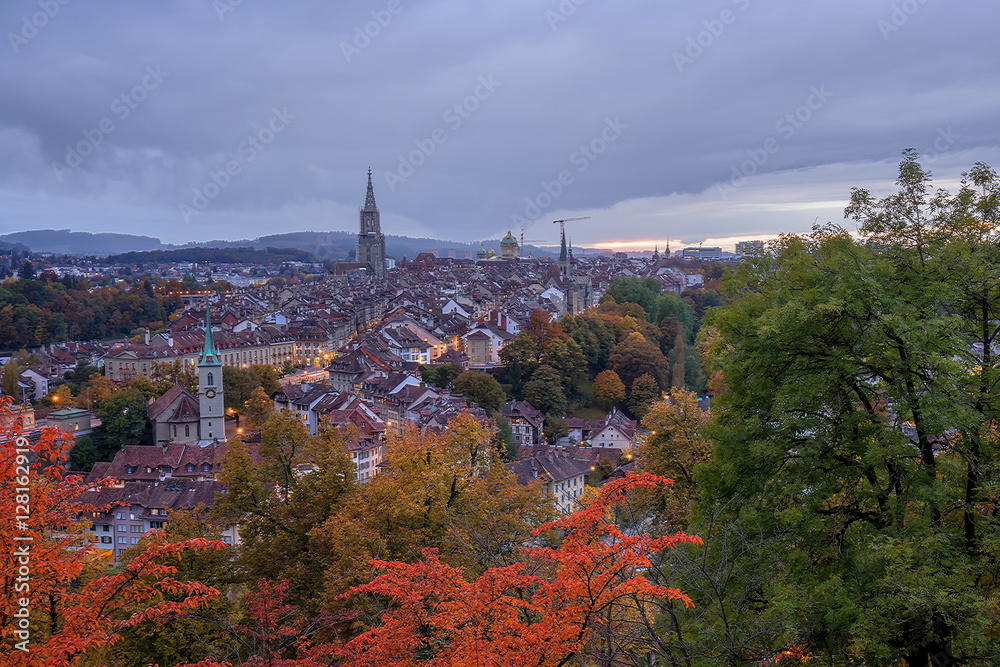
(562, 248)
(370, 195)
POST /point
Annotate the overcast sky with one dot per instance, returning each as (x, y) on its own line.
(715, 120)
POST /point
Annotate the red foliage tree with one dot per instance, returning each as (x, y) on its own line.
(542, 612)
(48, 614)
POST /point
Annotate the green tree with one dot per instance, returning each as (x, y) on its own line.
(505, 437)
(545, 391)
(671, 305)
(564, 355)
(123, 422)
(859, 422)
(643, 392)
(481, 389)
(238, 384)
(83, 455)
(642, 291)
(266, 376)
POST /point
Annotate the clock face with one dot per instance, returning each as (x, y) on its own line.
(210, 393)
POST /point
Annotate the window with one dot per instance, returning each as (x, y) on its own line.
(206, 467)
(155, 525)
(227, 539)
(210, 381)
(122, 528)
(175, 430)
(122, 539)
(135, 540)
(136, 529)
(187, 430)
(190, 467)
(106, 528)
(105, 539)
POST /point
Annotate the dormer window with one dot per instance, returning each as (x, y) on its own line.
(129, 470)
(206, 467)
(190, 467)
(149, 469)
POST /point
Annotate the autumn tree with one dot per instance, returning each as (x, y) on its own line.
(608, 389)
(636, 356)
(543, 611)
(279, 493)
(677, 444)
(97, 390)
(258, 409)
(72, 610)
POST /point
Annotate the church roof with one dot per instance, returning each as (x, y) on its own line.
(209, 355)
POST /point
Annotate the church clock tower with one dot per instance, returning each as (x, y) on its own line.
(210, 401)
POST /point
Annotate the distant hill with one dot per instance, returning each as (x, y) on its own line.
(322, 245)
(214, 255)
(66, 242)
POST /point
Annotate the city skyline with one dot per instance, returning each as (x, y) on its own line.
(713, 124)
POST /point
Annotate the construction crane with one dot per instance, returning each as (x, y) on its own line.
(562, 225)
(521, 249)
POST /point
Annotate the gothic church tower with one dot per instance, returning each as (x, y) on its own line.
(371, 240)
(212, 412)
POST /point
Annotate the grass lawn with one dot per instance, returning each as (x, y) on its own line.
(588, 413)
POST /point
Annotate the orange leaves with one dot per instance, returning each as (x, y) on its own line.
(45, 550)
(540, 612)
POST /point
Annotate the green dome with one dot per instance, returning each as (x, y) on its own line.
(508, 240)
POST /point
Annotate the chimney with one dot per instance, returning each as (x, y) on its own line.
(147, 336)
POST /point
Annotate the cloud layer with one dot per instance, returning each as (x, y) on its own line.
(202, 119)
